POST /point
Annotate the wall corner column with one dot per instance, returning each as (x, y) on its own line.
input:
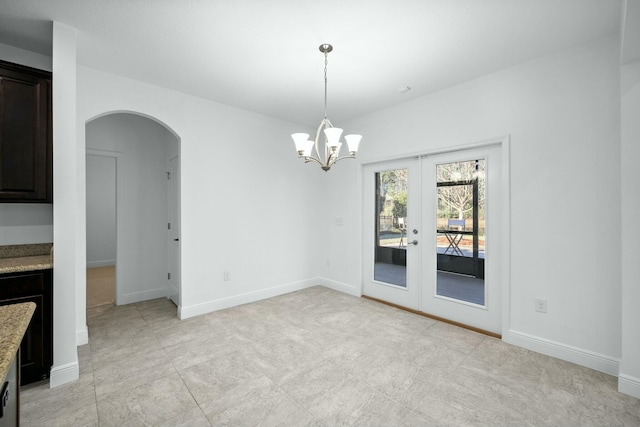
(629, 376)
(66, 225)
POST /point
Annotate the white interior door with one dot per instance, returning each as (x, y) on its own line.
(173, 234)
(392, 232)
(461, 217)
(433, 233)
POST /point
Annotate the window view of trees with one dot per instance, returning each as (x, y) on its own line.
(392, 204)
(456, 201)
(456, 182)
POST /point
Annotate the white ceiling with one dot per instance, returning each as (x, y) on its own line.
(262, 55)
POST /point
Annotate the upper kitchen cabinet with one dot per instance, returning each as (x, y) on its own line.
(26, 166)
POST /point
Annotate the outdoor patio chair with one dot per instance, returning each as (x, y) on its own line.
(452, 237)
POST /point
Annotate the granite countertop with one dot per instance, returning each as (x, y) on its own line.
(19, 258)
(14, 320)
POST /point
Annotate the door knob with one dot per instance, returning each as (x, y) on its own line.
(176, 240)
(415, 243)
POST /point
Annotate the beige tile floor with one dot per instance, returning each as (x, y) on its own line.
(101, 286)
(314, 357)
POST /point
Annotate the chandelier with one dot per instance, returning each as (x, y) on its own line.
(332, 144)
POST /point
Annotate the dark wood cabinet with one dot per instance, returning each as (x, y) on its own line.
(26, 160)
(9, 396)
(36, 350)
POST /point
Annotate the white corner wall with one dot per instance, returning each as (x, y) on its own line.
(629, 381)
(68, 225)
(562, 113)
(249, 206)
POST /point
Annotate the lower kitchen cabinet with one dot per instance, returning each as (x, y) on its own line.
(9, 398)
(36, 350)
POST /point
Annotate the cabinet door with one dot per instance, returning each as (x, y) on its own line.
(37, 345)
(9, 401)
(25, 135)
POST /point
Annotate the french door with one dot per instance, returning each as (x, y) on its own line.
(392, 232)
(432, 232)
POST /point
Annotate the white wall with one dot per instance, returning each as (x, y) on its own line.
(629, 379)
(630, 209)
(101, 210)
(69, 274)
(25, 223)
(143, 147)
(562, 113)
(249, 206)
(25, 57)
(340, 256)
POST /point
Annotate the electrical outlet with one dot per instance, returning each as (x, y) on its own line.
(541, 305)
(227, 276)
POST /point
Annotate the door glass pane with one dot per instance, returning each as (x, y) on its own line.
(460, 230)
(390, 264)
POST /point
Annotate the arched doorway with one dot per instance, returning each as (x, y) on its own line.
(131, 155)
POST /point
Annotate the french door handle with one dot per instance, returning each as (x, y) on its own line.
(415, 243)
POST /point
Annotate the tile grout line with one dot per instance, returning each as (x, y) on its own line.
(191, 394)
(296, 402)
(95, 392)
(185, 384)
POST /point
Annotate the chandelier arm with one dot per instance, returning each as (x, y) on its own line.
(345, 157)
(309, 159)
(323, 123)
(327, 150)
(331, 159)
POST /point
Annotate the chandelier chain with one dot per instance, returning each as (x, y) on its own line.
(326, 61)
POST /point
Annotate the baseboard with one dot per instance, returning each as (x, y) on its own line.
(64, 374)
(82, 336)
(141, 296)
(186, 312)
(340, 287)
(579, 356)
(103, 263)
(629, 385)
(179, 311)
